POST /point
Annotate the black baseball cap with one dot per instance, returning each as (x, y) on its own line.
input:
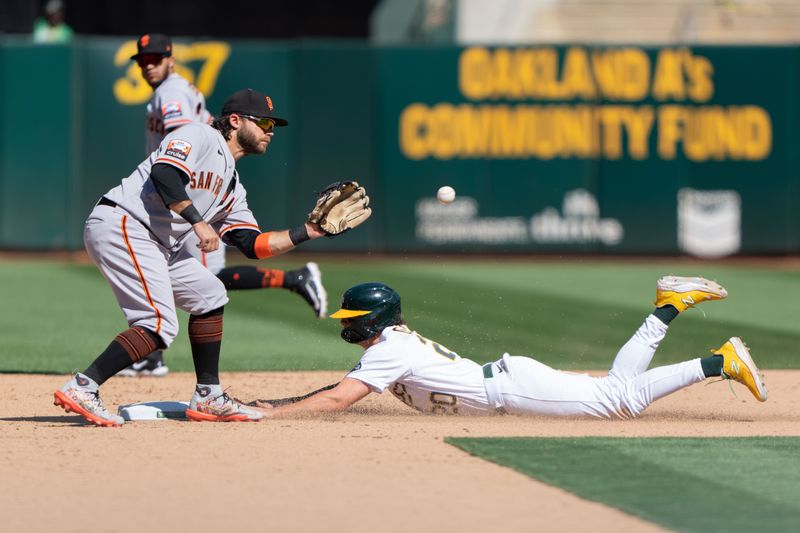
(253, 103)
(153, 43)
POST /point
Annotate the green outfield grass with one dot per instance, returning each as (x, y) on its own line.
(57, 316)
(686, 484)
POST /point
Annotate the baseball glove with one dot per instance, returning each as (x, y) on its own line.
(340, 207)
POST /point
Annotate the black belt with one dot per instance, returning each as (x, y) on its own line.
(105, 201)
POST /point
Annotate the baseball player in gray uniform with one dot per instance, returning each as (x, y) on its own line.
(175, 103)
(135, 236)
(433, 379)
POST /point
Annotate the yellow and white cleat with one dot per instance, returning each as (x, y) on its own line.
(683, 293)
(739, 366)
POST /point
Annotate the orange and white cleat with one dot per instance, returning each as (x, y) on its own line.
(209, 405)
(683, 293)
(81, 395)
(739, 366)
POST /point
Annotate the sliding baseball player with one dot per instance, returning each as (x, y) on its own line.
(433, 379)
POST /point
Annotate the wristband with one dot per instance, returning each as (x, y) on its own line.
(261, 247)
(191, 215)
(298, 234)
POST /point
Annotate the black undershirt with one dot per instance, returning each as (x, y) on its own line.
(170, 183)
(244, 240)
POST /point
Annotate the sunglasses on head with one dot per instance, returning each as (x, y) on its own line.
(150, 59)
(266, 124)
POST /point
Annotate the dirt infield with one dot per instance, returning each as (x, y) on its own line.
(378, 467)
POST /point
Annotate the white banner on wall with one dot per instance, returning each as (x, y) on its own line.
(709, 222)
(579, 222)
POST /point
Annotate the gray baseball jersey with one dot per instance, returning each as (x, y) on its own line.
(175, 102)
(137, 244)
(201, 153)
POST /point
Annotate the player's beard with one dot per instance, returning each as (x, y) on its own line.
(158, 75)
(249, 142)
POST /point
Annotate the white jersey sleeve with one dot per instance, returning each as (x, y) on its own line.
(381, 365)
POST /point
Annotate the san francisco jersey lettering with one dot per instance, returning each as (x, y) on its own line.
(200, 152)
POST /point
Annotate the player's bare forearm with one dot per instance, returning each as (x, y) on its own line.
(314, 230)
(178, 207)
(285, 401)
(207, 237)
(337, 399)
(280, 241)
(318, 404)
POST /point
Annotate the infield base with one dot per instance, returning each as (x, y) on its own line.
(153, 411)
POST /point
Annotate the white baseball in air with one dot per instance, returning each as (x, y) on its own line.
(446, 194)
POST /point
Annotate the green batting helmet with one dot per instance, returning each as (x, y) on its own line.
(371, 307)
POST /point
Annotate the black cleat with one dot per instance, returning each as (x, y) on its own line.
(151, 366)
(309, 286)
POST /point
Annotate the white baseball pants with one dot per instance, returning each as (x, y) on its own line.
(521, 385)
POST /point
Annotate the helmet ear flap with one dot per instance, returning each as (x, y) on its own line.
(361, 328)
(383, 304)
(352, 335)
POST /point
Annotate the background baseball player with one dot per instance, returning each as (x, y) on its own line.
(175, 103)
(135, 236)
(431, 378)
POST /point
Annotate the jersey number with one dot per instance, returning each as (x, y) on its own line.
(438, 348)
(444, 404)
(155, 125)
(402, 394)
(441, 403)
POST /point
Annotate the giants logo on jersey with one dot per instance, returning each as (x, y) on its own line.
(207, 181)
(178, 149)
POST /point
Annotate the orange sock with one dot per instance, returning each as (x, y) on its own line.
(272, 277)
(249, 277)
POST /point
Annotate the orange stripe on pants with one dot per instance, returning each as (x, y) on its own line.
(141, 275)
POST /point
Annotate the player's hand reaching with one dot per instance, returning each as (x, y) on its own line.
(209, 240)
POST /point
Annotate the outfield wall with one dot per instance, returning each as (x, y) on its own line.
(551, 149)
